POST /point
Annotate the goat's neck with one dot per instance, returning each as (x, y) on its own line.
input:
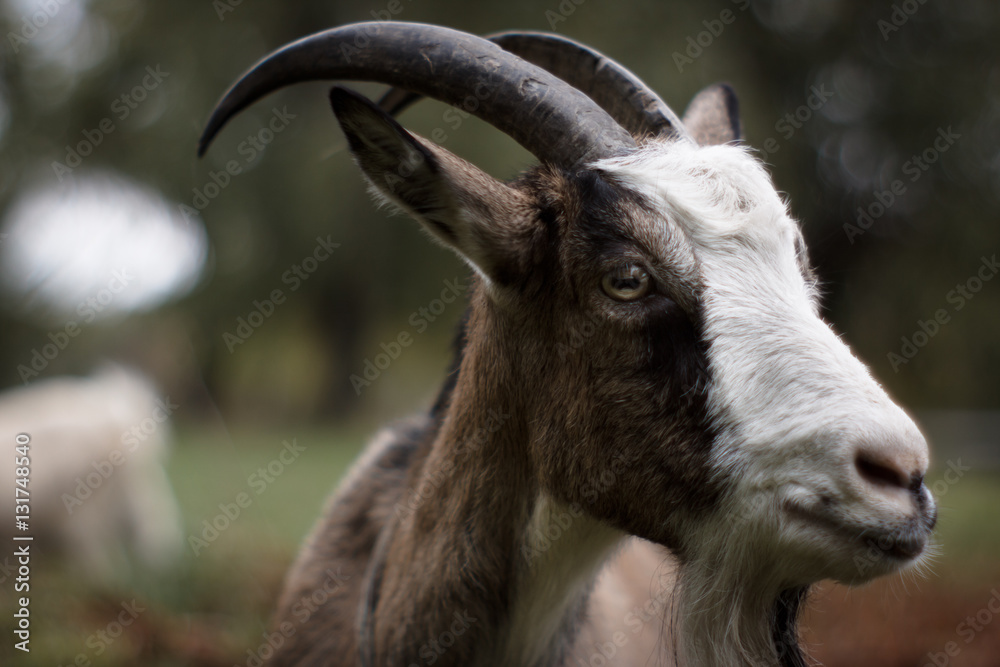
(733, 609)
(561, 553)
(482, 567)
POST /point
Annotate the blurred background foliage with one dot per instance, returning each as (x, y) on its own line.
(886, 93)
(139, 252)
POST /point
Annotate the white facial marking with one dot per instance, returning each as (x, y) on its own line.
(795, 410)
(795, 407)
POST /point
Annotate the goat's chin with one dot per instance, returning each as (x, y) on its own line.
(845, 563)
(851, 553)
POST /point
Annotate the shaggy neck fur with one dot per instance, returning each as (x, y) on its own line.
(732, 614)
(562, 553)
(487, 570)
(735, 604)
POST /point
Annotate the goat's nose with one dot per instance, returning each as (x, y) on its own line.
(891, 470)
(879, 471)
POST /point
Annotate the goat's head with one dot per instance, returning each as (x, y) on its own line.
(650, 303)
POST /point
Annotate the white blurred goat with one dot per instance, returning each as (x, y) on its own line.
(97, 486)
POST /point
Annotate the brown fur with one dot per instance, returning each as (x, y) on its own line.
(494, 531)
(562, 398)
(509, 432)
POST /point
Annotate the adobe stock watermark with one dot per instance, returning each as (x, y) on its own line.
(432, 651)
(604, 653)
(697, 44)
(100, 641)
(258, 482)
(968, 629)
(456, 114)
(106, 467)
(914, 168)
(562, 12)
(392, 10)
(249, 148)
(264, 308)
(796, 119)
(878, 548)
(543, 537)
(419, 320)
(35, 23)
(121, 108)
(428, 487)
(363, 35)
(223, 7)
(952, 475)
(901, 13)
(302, 610)
(452, 117)
(958, 298)
(88, 309)
(578, 336)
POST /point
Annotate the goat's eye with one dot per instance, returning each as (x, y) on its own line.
(626, 283)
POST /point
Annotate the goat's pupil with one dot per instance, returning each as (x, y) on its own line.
(629, 283)
(626, 283)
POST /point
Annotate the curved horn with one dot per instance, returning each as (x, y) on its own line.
(633, 104)
(554, 121)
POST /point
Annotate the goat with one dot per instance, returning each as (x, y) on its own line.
(642, 378)
(97, 486)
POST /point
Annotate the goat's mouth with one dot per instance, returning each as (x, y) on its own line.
(873, 550)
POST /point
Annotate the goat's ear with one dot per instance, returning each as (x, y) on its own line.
(713, 116)
(462, 206)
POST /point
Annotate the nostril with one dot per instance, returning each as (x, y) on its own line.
(881, 474)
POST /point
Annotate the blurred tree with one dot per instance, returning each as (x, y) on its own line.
(837, 96)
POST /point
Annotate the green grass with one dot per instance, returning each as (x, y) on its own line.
(213, 468)
(968, 530)
(215, 605)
